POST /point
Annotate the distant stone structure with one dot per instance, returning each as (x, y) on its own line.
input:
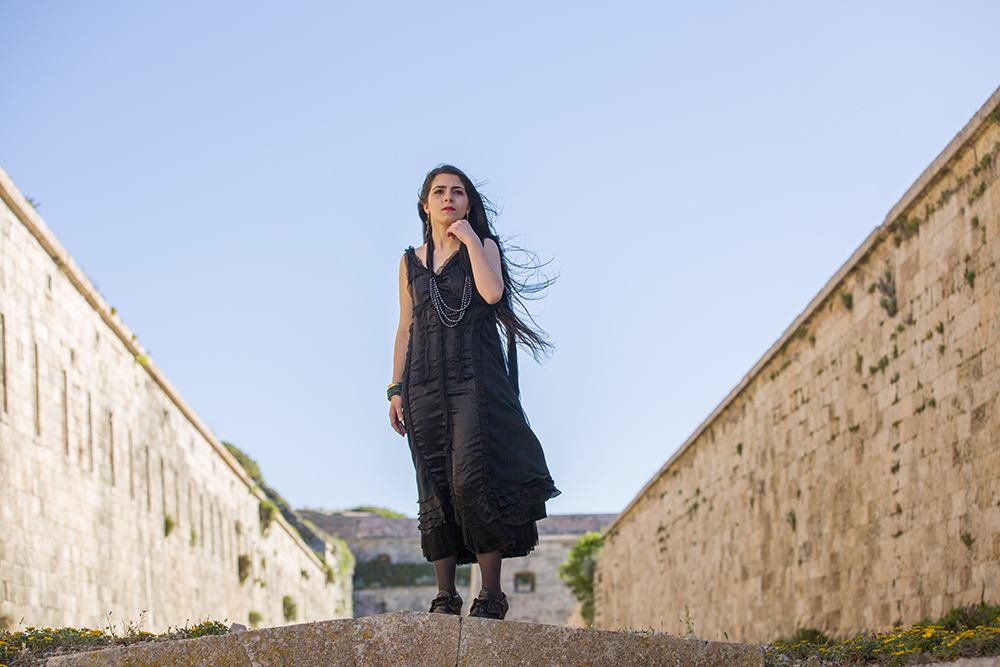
(851, 481)
(115, 498)
(392, 574)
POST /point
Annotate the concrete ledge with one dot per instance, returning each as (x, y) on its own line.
(409, 638)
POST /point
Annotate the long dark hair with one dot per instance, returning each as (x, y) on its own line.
(511, 312)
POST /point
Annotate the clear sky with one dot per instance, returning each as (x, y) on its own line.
(239, 179)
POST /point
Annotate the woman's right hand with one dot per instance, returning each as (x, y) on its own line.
(396, 415)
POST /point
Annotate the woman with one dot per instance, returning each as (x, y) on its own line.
(481, 474)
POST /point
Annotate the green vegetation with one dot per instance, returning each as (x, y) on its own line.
(267, 511)
(379, 574)
(381, 511)
(251, 468)
(243, 567)
(847, 299)
(27, 648)
(578, 572)
(982, 164)
(168, 525)
(965, 632)
(970, 277)
(776, 373)
(887, 286)
(978, 192)
(903, 229)
(255, 618)
(883, 363)
(289, 609)
(274, 504)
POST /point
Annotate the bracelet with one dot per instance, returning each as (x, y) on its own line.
(395, 389)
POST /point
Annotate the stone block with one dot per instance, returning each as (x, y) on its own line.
(399, 638)
(486, 643)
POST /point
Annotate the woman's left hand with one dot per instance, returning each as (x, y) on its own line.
(462, 230)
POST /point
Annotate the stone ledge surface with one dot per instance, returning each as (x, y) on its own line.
(409, 638)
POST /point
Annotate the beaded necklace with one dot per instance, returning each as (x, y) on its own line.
(450, 317)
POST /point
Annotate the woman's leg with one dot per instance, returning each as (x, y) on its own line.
(489, 567)
(444, 572)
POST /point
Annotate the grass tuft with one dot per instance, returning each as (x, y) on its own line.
(33, 646)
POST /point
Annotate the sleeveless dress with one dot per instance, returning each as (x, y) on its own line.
(481, 474)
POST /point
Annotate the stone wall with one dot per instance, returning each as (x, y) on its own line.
(114, 496)
(852, 480)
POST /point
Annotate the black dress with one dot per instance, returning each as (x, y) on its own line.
(481, 473)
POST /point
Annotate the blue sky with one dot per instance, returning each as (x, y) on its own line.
(239, 180)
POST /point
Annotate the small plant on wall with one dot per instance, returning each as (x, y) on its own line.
(289, 608)
(887, 286)
(267, 510)
(168, 525)
(243, 567)
(255, 618)
(904, 229)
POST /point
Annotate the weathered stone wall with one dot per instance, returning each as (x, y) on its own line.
(852, 480)
(114, 497)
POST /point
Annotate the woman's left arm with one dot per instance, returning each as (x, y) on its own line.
(485, 258)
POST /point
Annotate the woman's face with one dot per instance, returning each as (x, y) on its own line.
(447, 201)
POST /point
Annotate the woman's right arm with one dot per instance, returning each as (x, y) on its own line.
(399, 350)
